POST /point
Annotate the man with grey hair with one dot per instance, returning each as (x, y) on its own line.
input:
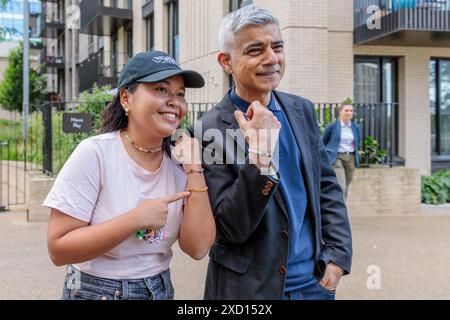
(282, 225)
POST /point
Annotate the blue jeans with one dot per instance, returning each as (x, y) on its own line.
(81, 286)
(314, 291)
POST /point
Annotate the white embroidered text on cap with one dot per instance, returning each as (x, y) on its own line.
(164, 59)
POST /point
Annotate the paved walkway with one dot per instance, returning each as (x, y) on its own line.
(411, 253)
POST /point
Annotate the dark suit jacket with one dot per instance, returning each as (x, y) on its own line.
(332, 138)
(249, 257)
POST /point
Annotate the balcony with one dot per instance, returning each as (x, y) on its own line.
(51, 26)
(402, 22)
(52, 60)
(36, 43)
(104, 17)
(102, 68)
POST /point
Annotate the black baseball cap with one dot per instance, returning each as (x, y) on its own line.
(154, 66)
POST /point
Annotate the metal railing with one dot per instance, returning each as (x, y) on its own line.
(195, 112)
(12, 173)
(101, 67)
(48, 146)
(110, 63)
(92, 9)
(56, 145)
(396, 15)
(378, 120)
(119, 4)
(45, 58)
(50, 21)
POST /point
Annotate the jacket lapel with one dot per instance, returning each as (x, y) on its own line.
(338, 131)
(227, 114)
(355, 136)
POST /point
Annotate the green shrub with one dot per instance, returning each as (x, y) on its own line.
(371, 153)
(90, 102)
(10, 130)
(63, 143)
(436, 188)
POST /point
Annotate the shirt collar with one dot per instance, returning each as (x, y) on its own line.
(243, 105)
(346, 125)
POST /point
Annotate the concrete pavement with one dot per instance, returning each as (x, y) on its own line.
(407, 257)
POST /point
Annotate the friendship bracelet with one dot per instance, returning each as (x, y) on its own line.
(195, 171)
(203, 189)
(260, 153)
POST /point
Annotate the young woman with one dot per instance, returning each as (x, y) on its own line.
(120, 202)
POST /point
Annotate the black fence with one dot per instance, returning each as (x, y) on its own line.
(102, 67)
(12, 173)
(56, 145)
(195, 112)
(378, 120)
(49, 146)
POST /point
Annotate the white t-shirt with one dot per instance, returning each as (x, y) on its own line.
(100, 181)
(347, 142)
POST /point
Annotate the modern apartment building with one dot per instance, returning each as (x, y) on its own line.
(397, 56)
(332, 54)
(52, 55)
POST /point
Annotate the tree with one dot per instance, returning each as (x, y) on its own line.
(3, 3)
(11, 89)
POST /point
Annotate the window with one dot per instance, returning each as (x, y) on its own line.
(129, 39)
(90, 44)
(148, 13)
(237, 4)
(150, 32)
(440, 106)
(110, 60)
(101, 42)
(375, 80)
(173, 39)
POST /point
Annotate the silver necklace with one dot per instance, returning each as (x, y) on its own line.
(153, 150)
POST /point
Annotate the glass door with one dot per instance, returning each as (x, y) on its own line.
(440, 106)
(376, 98)
(444, 110)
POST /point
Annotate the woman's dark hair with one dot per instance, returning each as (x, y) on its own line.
(114, 118)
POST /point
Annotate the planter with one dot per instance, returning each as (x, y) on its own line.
(376, 165)
(381, 190)
(435, 208)
(39, 186)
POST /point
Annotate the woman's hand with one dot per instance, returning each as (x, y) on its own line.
(187, 152)
(152, 214)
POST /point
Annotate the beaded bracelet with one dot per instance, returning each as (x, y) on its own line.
(195, 171)
(203, 189)
(260, 153)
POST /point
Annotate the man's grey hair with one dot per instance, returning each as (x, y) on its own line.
(240, 19)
